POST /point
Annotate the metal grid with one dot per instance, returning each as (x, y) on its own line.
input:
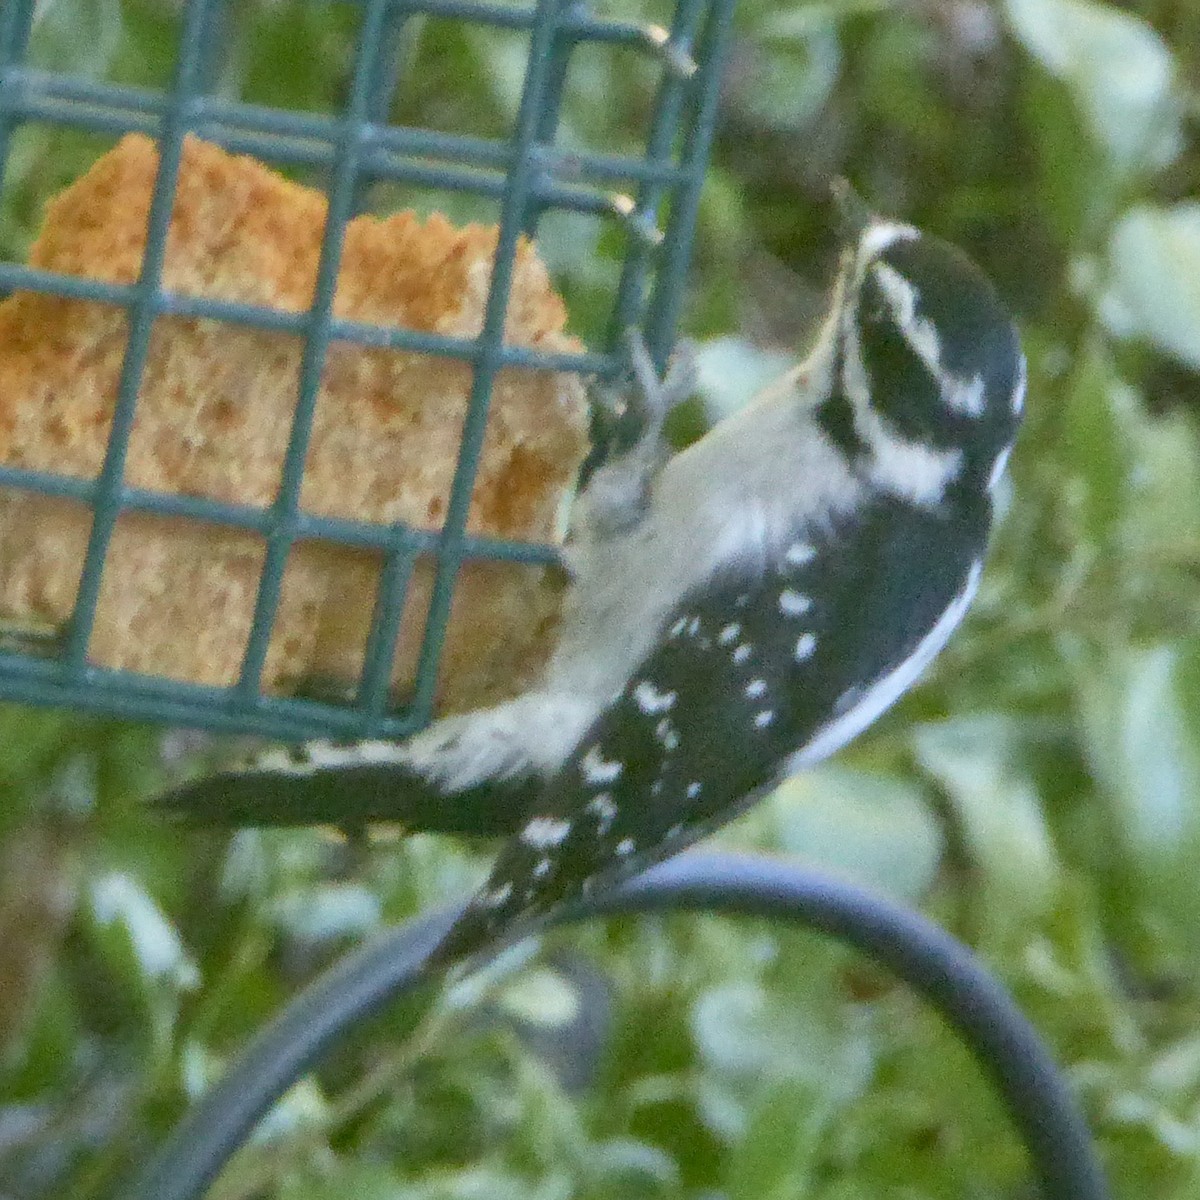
(526, 174)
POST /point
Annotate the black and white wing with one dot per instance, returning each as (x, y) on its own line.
(761, 674)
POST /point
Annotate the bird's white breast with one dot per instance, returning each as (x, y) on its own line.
(740, 495)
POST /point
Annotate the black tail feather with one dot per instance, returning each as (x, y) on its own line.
(349, 796)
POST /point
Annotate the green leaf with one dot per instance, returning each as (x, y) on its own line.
(780, 1071)
(1076, 189)
(1095, 443)
(1141, 730)
(144, 954)
(362, 1180)
(302, 1106)
(327, 912)
(43, 1057)
(792, 73)
(745, 1032)
(633, 1163)
(1175, 1074)
(482, 1183)
(978, 759)
(776, 1155)
(542, 997)
(876, 829)
(1154, 279)
(738, 1029)
(1119, 71)
(1162, 516)
(1142, 747)
(119, 902)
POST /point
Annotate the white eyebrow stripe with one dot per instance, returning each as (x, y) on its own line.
(879, 235)
(966, 396)
(920, 332)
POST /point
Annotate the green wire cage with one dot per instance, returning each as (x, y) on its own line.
(651, 196)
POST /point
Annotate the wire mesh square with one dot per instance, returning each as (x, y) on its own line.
(358, 133)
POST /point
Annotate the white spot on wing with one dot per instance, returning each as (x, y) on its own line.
(764, 718)
(694, 789)
(743, 652)
(545, 831)
(626, 846)
(597, 769)
(666, 734)
(793, 603)
(602, 805)
(730, 633)
(884, 692)
(650, 700)
(756, 687)
(800, 554)
(605, 811)
(806, 644)
(497, 896)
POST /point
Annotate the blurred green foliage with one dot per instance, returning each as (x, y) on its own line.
(1039, 794)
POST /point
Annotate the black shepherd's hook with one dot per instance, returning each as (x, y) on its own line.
(937, 966)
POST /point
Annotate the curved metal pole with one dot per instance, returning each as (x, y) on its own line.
(933, 963)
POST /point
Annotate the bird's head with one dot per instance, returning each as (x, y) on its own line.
(929, 380)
